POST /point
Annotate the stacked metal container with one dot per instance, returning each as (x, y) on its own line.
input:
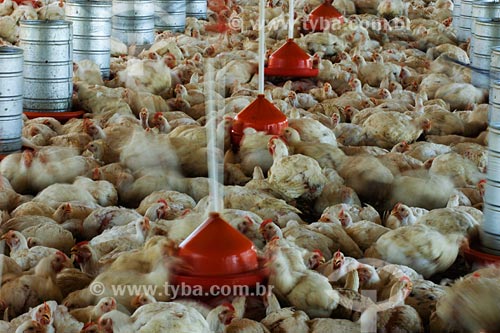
(48, 65)
(11, 99)
(170, 15)
(456, 17)
(91, 31)
(133, 21)
(485, 36)
(465, 22)
(196, 8)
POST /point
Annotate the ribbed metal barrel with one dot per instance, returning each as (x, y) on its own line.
(133, 21)
(91, 31)
(48, 65)
(494, 112)
(486, 9)
(456, 15)
(485, 37)
(489, 234)
(11, 99)
(465, 22)
(196, 8)
(170, 15)
(494, 65)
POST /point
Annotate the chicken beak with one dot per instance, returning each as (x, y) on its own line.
(337, 263)
(322, 260)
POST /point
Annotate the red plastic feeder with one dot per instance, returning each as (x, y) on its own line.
(60, 116)
(323, 17)
(475, 255)
(290, 60)
(261, 115)
(219, 255)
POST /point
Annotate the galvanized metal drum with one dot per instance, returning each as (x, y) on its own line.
(133, 21)
(48, 65)
(495, 64)
(196, 8)
(490, 232)
(91, 31)
(485, 37)
(11, 99)
(170, 15)
(494, 112)
(456, 14)
(465, 23)
(486, 9)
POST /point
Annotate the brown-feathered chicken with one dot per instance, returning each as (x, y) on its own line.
(283, 319)
(461, 96)
(93, 312)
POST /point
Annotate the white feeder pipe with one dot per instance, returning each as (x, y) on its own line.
(262, 44)
(290, 19)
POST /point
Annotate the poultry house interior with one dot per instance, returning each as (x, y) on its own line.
(363, 209)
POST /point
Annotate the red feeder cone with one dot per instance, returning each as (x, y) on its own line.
(261, 115)
(290, 60)
(219, 255)
(322, 17)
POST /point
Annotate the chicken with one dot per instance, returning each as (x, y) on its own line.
(465, 295)
(106, 217)
(402, 128)
(423, 297)
(307, 290)
(356, 213)
(420, 247)
(451, 221)
(295, 176)
(168, 316)
(403, 215)
(462, 171)
(28, 290)
(365, 233)
(51, 235)
(461, 95)
(93, 312)
(25, 257)
(283, 319)
(390, 9)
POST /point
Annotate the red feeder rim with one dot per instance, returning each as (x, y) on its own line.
(61, 116)
(219, 255)
(290, 60)
(473, 255)
(322, 17)
(261, 115)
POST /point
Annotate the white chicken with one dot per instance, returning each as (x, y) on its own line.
(422, 248)
(25, 257)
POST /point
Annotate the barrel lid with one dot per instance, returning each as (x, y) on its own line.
(485, 3)
(11, 50)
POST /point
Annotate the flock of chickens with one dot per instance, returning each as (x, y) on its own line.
(376, 184)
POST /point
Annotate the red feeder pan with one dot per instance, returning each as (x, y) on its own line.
(220, 256)
(261, 115)
(290, 60)
(474, 255)
(61, 116)
(322, 18)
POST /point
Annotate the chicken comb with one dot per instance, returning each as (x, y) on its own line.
(338, 253)
(405, 278)
(157, 115)
(317, 251)
(265, 222)
(482, 181)
(85, 242)
(163, 201)
(476, 275)
(229, 305)
(248, 219)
